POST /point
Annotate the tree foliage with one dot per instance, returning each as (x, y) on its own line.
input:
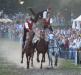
(12, 6)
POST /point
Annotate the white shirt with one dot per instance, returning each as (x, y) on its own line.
(51, 20)
(74, 46)
(75, 43)
(44, 14)
(26, 25)
(78, 43)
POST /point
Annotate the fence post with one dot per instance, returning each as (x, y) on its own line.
(76, 57)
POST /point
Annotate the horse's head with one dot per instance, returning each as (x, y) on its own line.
(30, 35)
(42, 34)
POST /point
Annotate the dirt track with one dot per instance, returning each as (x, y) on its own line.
(11, 51)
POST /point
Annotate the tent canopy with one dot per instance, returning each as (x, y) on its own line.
(3, 20)
(77, 23)
(78, 19)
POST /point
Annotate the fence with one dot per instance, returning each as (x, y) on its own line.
(72, 54)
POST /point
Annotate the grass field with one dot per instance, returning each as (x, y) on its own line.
(67, 64)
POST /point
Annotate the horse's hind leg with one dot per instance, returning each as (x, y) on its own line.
(32, 61)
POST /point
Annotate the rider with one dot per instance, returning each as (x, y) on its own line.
(27, 27)
(46, 19)
(39, 15)
(47, 22)
(43, 15)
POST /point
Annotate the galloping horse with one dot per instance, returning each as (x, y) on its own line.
(41, 47)
(29, 49)
(53, 50)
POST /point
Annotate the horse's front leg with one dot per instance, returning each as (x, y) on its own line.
(56, 59)
(38, 57)
(51, 62)
(23, 51)
(28, 61)
(50, 59)
(41, 61)
(43, 58)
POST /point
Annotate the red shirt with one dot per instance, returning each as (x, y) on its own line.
(46, 21)
(30, 24)
(66, 45)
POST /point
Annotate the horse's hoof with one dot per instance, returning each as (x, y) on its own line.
(43, 60)
(55, 64)
(38, 60)
(21, 62)
(32, 65)
(41, 67)
(27, 67)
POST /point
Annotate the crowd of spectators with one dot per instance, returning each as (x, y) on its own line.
(70, 43)
(11, 31)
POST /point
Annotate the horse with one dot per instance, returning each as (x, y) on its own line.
(53, 51)
(41, 47)
(28, 49)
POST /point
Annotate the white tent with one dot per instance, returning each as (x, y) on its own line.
(77, 23)
(5, 20)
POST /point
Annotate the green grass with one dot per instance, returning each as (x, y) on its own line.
(67, 64)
